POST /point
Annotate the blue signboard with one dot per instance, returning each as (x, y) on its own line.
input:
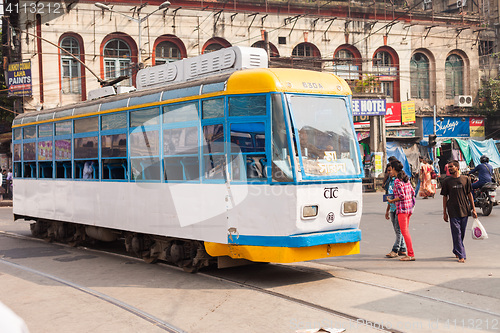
(449, 127)
(19, 79)
(368, 107)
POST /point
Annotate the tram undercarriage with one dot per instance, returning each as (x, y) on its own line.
(190, 255)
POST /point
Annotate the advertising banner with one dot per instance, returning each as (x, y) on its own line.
(19, 79)
(449, 127)
(408, 113)
(361, 121)
(476, 126)
(393, 114)
(368, 107)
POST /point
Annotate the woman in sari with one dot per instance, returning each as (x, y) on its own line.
(426, 188)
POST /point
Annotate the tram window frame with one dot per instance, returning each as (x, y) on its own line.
(46, 130)
(146, 121)
(86, 125)
(213, 158)
(114, 166)
(45, 158)
(280, 121)
(257, 161)
(29, 132)
(181, 165)
(63, 165)
(209, 108)
(252, 160)
(114, 121)
(181, 112)
(237, 105)
(63, 128)
(80, 158)
(145, 167)
(18, 134)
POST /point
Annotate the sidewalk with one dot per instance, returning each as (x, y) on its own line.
(6, 203)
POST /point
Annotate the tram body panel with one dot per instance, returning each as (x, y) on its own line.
(329, 198)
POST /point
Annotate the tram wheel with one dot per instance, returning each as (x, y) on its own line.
(149, 259)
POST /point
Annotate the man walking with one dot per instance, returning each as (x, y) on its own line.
(457, 204)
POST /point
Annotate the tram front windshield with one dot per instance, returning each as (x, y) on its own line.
(328, 146)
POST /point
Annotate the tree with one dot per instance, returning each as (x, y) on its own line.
(489, 98)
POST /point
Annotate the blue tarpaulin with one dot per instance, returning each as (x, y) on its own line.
(393, 149)
(486, 147)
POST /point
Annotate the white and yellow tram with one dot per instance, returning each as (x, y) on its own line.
(202, 162)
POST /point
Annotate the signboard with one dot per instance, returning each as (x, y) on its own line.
(378, 163)
(476, 126)
(408, 113)
(368, 107)
(449, 127)
(361, 121)
(19, 79)
(393, 114)
(401, 133)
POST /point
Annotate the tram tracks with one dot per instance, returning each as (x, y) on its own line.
(357, 320)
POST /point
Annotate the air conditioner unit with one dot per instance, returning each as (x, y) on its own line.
(427, 1)
(463, 101)
(461, 3)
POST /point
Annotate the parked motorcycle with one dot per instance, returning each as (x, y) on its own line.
(485, 197)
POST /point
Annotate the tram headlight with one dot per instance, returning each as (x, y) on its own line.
(309, 211)
(349, 207)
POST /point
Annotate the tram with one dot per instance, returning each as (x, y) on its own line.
(215, 158)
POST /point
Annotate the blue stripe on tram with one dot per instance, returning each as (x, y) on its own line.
(303, 240)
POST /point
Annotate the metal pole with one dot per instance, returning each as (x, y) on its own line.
(139, 21)
(434, 119)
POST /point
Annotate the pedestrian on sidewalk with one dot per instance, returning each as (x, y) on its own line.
(457, 205)
(404, 198)
(399, 247)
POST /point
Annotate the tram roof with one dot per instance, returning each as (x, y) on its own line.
(260, 80)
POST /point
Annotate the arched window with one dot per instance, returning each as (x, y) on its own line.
(215, 44)
(419, 76)
(167, 52)
(70, 67)
(347, 62)
(306, 50)
(454, 69)
(272, 49)
(384, 68)
(117, 60)
(306, 55)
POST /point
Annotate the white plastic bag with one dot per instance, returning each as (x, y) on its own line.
(478, 231)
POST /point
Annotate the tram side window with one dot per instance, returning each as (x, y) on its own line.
(63, 158)
(114, 156)
(29, 132)
(214, 160)
(17, 160)
(44, 130)
(247, 106)
(45, 156)
(146, 117)
(86, 163)
(85, 125)
(63, 128)
(281, 167)
(248, 158)
(180, 112)
(213, 108)
(29, 158)
(180, 148)
(17, 134)
(114, 121)
(145, 155)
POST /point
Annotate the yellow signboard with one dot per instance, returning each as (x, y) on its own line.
(407, 113)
